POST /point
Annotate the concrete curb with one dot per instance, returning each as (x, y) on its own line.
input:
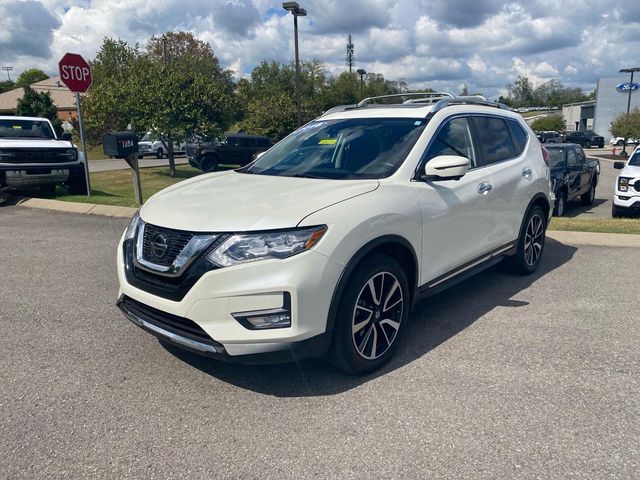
(77, 207)
(595, 239)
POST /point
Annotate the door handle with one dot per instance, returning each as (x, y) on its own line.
(484, 188)
(526, 172)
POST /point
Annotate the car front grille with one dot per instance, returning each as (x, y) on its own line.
(172, 323)
(36, 155)
(155, 238)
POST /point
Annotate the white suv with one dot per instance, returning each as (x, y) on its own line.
(325, 242)
(626, 198)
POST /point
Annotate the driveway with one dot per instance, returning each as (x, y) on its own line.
(501, 377)
(119, 164)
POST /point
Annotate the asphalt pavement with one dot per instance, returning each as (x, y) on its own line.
(501, 377)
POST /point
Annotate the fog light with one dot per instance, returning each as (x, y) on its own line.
(622, 197)
(266, 319)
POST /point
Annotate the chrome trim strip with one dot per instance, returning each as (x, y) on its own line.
(187, 342)
(188, 254)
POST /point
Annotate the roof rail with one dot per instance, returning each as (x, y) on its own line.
(369, 100)
(467, 100)
(428, 98)
(339, 108)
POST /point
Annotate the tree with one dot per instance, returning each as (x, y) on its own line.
(521, 91)
(465, 90)
(31, 76)
(6, 86)
(627, 126)
(38, 104)
(549, 122)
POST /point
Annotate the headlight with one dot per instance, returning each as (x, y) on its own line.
(250, 247)
(71, 153)
(133, 226)
(623, 184)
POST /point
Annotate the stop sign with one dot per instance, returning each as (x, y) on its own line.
(75, 72)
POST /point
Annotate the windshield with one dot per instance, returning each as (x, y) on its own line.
(26, 129)
(148, 137)
(556, 157)
(635, 159)
(342, 149)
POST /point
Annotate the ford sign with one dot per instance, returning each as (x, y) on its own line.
(625, 87)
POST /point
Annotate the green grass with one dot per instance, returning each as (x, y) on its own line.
(116, 187)
(597, 225)
(96, 153)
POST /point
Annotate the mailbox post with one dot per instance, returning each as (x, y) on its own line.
(125, 145)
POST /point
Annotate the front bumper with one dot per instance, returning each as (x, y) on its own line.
(309, 279)
(27, 176)
(629, 202)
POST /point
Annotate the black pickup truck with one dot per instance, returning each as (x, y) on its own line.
(573, 175)
(586, 139)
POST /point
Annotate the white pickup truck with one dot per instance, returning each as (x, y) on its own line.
(151, 145)
(32, 155)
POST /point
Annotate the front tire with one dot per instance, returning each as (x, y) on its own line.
(210, 164)
(587, 144)
(620, 143)
(530, 244)
(159, 153)
(371, 315)
(616, 212)
(561, 204)
(588, 197)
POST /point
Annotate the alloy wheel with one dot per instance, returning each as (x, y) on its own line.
(533, 240)
(377, 315)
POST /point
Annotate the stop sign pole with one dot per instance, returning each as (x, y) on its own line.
(75, 73)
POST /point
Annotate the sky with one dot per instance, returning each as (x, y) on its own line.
(442, 44)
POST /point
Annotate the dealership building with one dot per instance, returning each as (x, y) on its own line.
(612, 94)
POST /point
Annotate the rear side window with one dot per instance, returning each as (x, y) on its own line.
(494, 137)
(519, 136)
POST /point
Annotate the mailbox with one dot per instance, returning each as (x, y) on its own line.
(120, 144)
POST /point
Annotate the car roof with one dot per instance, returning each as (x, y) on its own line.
(14, 117)
(561, 145)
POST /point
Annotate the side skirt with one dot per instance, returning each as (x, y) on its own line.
(463, 272)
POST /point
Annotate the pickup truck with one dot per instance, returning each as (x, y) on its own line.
(151, 145)
(586, 139)
(32, 155)
(573, 175)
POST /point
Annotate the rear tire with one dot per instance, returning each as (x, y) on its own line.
(371, 315)
(620, 143)
(588, 197)
(530, 244)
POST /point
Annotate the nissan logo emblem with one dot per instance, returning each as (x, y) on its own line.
(159, 245)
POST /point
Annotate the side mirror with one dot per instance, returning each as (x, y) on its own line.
(446, 167)
(618, 165)
(258, 155)
(66, 136)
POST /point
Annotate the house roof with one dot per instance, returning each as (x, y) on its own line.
(62, 97)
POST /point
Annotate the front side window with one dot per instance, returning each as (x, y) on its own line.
(26, 129)
(635, 159)
(342, 149)
(572, 159)
(556, 157)
(454, 138)
(495, 140)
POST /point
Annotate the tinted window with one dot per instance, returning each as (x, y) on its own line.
(342, 149)
(495, 140)
(635, 159)
(25, 129)
(454, 138)
(572, 159)
(556, 157)
(519, 136)
(580, 155)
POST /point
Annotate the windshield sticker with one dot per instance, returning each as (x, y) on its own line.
(327, 141)
(17, 127)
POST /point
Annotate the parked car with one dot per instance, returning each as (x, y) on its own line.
(619, 141)
(573, 175)
(236, 149)
(32, 155)
(151, 145)
(325, 242)
(626, 198)
(586, 139)
(549, 137)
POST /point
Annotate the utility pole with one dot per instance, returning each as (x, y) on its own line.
(169, 144)
(8, 69)
(350, 56)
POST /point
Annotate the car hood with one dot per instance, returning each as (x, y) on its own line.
(234, 202)
(144, 143)
(31, 143)
(630, 171)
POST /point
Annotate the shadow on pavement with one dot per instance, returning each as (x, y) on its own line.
(575, 208)
(434, 321)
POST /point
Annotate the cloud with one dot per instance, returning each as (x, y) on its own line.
(26, 28)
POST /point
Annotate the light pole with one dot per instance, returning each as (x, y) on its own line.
(362, 72)
(296, 11)
(631, 71)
